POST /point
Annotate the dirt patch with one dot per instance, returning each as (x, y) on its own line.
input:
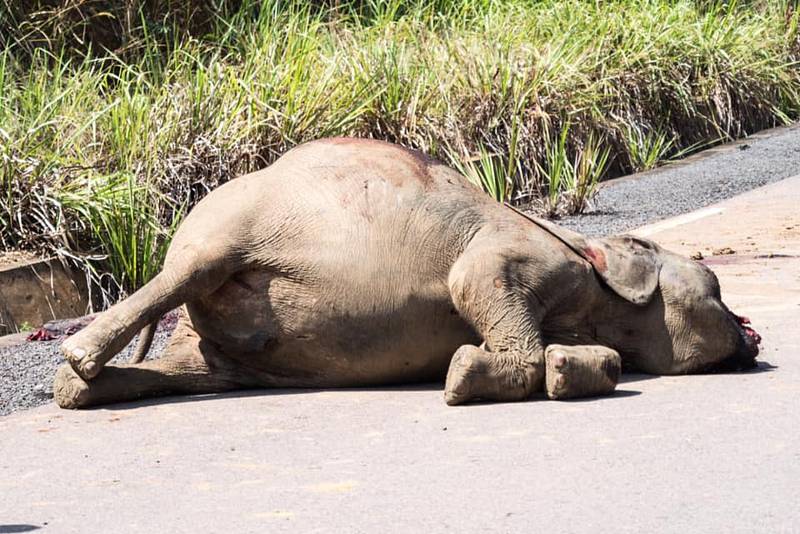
(13, 258)
(34, 291)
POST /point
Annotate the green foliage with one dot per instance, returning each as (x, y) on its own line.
(116, 117)
(590, 165)
(646, 149)
(122, 215)
(488, 171)
(571, 176)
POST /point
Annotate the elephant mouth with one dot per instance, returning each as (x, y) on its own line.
(744, 358)
(749, 332)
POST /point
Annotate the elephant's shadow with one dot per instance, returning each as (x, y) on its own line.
(619, 393)
(629, 377)
(262, 392)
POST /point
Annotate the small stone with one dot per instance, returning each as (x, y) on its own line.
(697, 256)
(40, 391)
(724, 251)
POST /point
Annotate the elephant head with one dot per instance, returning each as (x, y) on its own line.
(665, 312)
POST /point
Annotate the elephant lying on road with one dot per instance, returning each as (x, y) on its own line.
(360, 263)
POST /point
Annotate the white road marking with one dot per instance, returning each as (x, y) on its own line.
(677, 221)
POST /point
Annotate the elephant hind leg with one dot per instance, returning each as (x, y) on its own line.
(189, 366)
(196, 275)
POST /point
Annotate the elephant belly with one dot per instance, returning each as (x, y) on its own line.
(298, 335)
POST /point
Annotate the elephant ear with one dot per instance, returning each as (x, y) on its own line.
(628, 265)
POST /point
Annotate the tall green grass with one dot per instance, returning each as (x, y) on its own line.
(116, 117)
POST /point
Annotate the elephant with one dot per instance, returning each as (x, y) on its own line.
(355, 262)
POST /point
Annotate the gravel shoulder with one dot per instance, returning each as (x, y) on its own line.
(698, 181)
(27, 370)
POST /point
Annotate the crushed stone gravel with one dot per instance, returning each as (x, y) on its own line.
(698, 181)
(27, 370)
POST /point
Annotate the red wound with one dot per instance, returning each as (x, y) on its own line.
(744, 322)
(596, 258)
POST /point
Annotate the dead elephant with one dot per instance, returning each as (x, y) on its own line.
(359, 263)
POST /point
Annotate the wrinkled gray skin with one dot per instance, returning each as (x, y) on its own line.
(360, 263)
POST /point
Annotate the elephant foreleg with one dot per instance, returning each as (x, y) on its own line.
(475, 373)
(510, 365)
(581, 371)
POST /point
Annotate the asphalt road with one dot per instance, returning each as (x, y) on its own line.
(714, 453)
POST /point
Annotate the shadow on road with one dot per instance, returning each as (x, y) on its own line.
(8, 529)
(244, 393)
(626, 378)
(618, 394)
(761, 367)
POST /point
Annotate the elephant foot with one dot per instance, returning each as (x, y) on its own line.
(88, 350)
(69, 389)
(475, 373)
(466, 368)
(580, 371)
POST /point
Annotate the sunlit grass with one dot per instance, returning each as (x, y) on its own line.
(102, 150)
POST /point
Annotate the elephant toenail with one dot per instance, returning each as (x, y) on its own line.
(559, 361)
(452, 398)
(79, 353)
(89, 367)
(560, 380)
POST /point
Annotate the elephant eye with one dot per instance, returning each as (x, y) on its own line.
(716, 291)
(714, 287)
(644, 243)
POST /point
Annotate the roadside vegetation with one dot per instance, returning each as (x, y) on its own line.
(116, 116)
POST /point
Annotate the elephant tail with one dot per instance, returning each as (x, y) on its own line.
(145, 340)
